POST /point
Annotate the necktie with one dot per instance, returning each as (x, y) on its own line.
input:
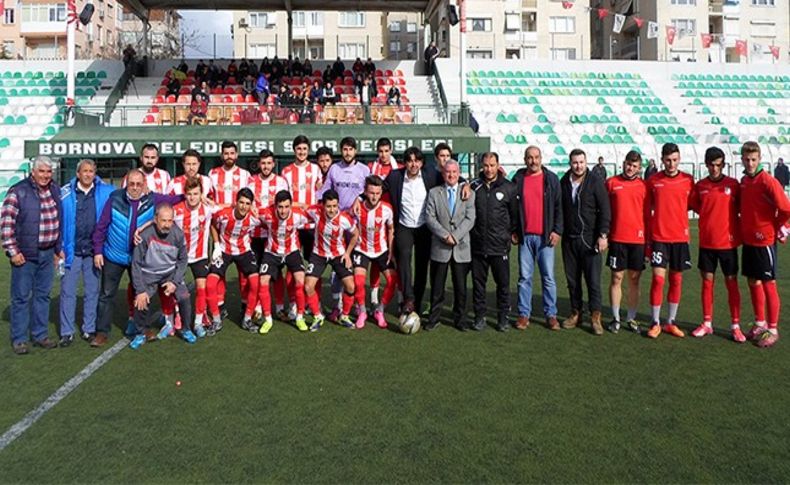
(451, 199)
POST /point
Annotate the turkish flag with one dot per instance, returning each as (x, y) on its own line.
(567, 5)
(671, 32)
(706, 40)
(602, 13)
(775, 51)
(741, 47)
(639, 22)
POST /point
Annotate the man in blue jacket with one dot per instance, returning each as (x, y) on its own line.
(82, 201)
(113, 242)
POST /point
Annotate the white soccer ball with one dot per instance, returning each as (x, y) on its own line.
(409, 323)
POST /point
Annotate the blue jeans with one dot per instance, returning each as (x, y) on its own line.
(31, 283)
(530, 250)
(68, 295)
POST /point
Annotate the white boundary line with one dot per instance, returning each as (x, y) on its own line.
(25, 423)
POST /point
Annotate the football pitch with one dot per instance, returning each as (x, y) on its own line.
(376, 406)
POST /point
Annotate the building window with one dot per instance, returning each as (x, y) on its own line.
(8, 18)
(764, 3)
(478, 25)
(411, 47)
(259, 51)
(259, 20)
(298, 20)
(562, 25)
(685, 26)
(479, 54)
(9, 47)
(394, 26)
(351, 19)
(684, 2)
(411, 27)
(44, 13)
(99, 35)
(395, 46)
(529, 22)
(316, 19)
(351, 50)
(563, 54)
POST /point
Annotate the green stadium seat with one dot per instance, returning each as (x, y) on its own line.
(510, 138)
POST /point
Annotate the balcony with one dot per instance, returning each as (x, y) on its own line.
(38, 28)
(716, 7)
(521, 38)
(531, 4)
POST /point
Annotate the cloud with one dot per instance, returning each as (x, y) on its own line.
(208, 26)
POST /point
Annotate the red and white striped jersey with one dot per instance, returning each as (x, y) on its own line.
(196, 225)
(381, 170)
(264, 191)
(234, 234)
(303, 183)
(283, 233)
(330, 241)
(373, 225)
(157, 181)
(176, 186)
(227, 182)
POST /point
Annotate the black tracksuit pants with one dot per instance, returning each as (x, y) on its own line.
(500, 269)
(580, 260)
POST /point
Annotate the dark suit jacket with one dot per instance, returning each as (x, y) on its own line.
(394, 185)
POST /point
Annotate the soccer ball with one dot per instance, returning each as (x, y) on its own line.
(409, 323)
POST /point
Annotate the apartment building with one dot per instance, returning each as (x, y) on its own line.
(403, 37)
(36, 29)
(164, 35)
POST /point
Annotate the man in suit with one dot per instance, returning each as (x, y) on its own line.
(408, 190)
(450, 219)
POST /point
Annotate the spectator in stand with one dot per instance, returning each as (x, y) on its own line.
(200, 71)
(328, 95)
(284, 97)
(287, 65)
(129, 56)
(296, 68)
(304, 91)
(253, 69)
(338, 68)
(599, 169)
(183, 67)
(359, 81)
(276, 62)
(393, 96)
(212, 74)
(198, 107)
(244, 69)
(307, 68)
(276, 76)
(366, 93)
(370, 68)
(782, 173)
(200, 90)
(266, 66)
(327, 75)
(248, 86)
(358, 67)
(430, 55)
(262, 89)
(232, 69)
(315, 92)
(307, 111)
(651, 168)
(173, 86)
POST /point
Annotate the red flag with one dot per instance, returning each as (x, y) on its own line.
(639, 22)
(706, 40)
(2, 8)
(775, 51)
(602, 13)
(741, 47)
(671, 32)
(567, 5)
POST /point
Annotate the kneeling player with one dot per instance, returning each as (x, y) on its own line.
(331, 249)
(231, 229)
(716, 199)
(282, 249)
(373, 250)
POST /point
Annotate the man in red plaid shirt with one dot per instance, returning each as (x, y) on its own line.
(31, 238)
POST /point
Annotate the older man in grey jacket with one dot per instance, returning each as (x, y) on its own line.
(450, 219)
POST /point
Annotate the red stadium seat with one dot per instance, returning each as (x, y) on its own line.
(349, 81)
(231, 80)
(404, 99)
(153, 109)
(161, 92)
(317, 73)
(379, 81)
(217, 91)
(227, 99)
(250, 99)
(215, 98)
(401, 81)
(184, 99)
(398, 73)
(228, 90)
(338, 81)
(379, 73)
(403, 90)
(171, 98)
(191, 73)
(348, 73)
(388, 73)
(149, 119)
(164, 82)
(184, 90)
(238, 98)
(159, 100)
(270, 99)
(381, 91)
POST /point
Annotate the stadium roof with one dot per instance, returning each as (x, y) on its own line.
(141, 6)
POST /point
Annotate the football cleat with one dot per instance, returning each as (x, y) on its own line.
(266, 325)
(301, 324)
(654, 331)
(702, 331)
(674, 330)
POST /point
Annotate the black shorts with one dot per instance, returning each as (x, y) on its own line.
(759, 262)
(245, 263)
(361, 260)
(317, 265)
(272, 263)
(709, 259)
(674, 255)
(258, 245)
(199, 268)
(623, 256)
(307, 240)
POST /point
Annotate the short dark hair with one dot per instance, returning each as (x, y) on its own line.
(383, 142)
(712, 154)
(576, 152)
(418, 155)
(246, 193)
(348, 141)
(323, 151)
(265, 153)
(668, 149)
(488, 155)
(301, 140)
(330, 194)
(633, 156)
(192, 183)
(149, 146)
(192, 153)
(374, 181)
(440, 147)
(282, 196)
(228, 144)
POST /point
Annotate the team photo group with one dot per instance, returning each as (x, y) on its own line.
(376, 233)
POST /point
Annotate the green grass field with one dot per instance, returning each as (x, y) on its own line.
(377, 406)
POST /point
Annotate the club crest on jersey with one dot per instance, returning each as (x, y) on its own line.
(379, 220)
(202, 219)
(500, 196)
(727, 190)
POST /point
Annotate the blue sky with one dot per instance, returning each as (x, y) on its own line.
(206, 23)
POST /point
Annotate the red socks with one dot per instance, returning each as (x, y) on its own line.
(675, 286)
(251, 286)
(757, 291)
(375, 276)
(734, 299)
(279, 291)
(656, 290)
(359, 289)
(265, 298)
(200, 301)
(212, 294)
(389, 291)
(314, 303)
(707, 300)
(299, 297)
(348, 301)
(772, 295)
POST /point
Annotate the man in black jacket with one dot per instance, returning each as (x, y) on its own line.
(539, 227)
(495, 224)
(586, 213)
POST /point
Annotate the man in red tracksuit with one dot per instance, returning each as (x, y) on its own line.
(765, 211)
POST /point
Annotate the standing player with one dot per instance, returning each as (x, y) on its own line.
(331, 249)
(194, 219)
(323, 158)
(156, 179)
(283, 222)
(376, 234)
(627, 193)
(765, 211)
(716, 200)
(191, 161)
(668, 234)
(304, 180)
(228, 178)
(231, 228)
